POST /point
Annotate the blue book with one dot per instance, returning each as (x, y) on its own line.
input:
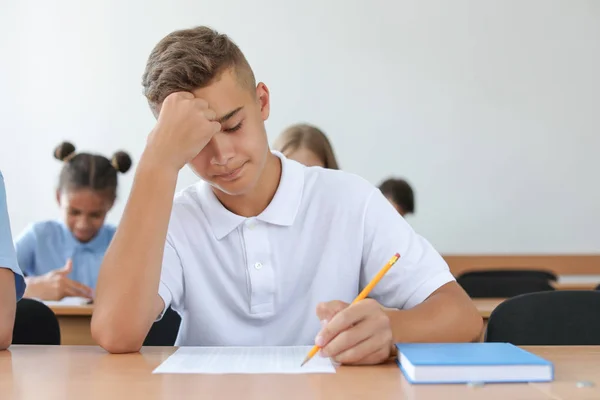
(471, 362)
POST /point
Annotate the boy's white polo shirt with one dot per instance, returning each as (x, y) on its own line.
(240, 281)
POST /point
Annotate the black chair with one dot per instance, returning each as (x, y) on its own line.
(565, 317)
(503, 287)
(164, 332)
(516, 273)
(598, 287)
(35, 323)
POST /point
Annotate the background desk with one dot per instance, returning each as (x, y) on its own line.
(65, 372)
(75, 322)
(486, 306)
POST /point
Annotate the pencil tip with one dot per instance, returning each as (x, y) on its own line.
(303, 362)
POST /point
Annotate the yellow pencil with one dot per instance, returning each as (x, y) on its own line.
(362, 295)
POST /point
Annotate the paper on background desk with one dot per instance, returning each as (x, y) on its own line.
(69, 301)
(243, 360)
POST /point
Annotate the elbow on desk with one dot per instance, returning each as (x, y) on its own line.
(5, 341)
(5, 337)
(478, 327)
(114, 336)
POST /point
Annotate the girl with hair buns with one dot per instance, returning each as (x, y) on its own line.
(62, 258)
(308, 145)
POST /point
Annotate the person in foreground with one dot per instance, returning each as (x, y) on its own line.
(62, 258)
(308, 145)
(263, 251)
(12, 284)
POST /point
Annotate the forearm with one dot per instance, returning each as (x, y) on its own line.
(448, 315)
(7, 307)
(127, 287)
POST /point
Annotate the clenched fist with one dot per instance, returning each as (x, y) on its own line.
(185, 126)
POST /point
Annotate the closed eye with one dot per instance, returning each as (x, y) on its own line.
(235, 128)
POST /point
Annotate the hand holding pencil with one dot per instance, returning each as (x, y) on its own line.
(359, 333)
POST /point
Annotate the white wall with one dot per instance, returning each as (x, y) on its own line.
(490, 108)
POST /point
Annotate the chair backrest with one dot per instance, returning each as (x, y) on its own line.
(563, 317)
(503, 287)
(598, 287)
(516, 273)
(35, 323)
(164, 332)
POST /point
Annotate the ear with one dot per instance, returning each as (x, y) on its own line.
(264, 101)
(58, 195)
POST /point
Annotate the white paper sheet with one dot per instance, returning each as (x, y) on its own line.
(244, 360)
(69, 301)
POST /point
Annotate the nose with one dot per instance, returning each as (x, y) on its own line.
(82, 224)
(222, 149)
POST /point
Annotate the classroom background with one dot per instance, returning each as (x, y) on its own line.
(489, 109)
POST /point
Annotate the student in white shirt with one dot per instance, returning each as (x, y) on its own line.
(264, 248)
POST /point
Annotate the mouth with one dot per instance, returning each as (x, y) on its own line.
(83, 235)
(231, 175)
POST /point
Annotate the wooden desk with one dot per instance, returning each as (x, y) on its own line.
(486, 306)
(574, 285)
(74, 322)
(82, 372)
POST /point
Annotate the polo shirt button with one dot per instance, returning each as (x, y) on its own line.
(258, 265)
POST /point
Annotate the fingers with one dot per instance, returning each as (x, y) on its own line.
(348, 339)
(358, 334)
(74, 288)
(353, 356)
(326, 311)
(345, 319)
(178, 95)
(72, 292)
(210, 115)
(66, 270)
(215, 126)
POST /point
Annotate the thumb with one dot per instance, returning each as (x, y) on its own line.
(327, 310)
(67, 268)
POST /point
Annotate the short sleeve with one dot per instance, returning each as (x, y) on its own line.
(8, 258)
(25, 245)
(170, 288)
(418, 273)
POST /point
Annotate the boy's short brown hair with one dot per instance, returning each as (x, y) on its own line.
(189, 59)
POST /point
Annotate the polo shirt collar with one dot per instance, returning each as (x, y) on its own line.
(282, 209)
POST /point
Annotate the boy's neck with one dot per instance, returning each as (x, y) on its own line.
(256, 201)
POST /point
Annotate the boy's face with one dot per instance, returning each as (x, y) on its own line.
(234, 159)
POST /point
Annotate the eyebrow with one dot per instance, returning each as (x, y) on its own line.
(229, 115)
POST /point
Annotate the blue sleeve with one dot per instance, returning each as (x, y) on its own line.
(8, 258)
(25, 247)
